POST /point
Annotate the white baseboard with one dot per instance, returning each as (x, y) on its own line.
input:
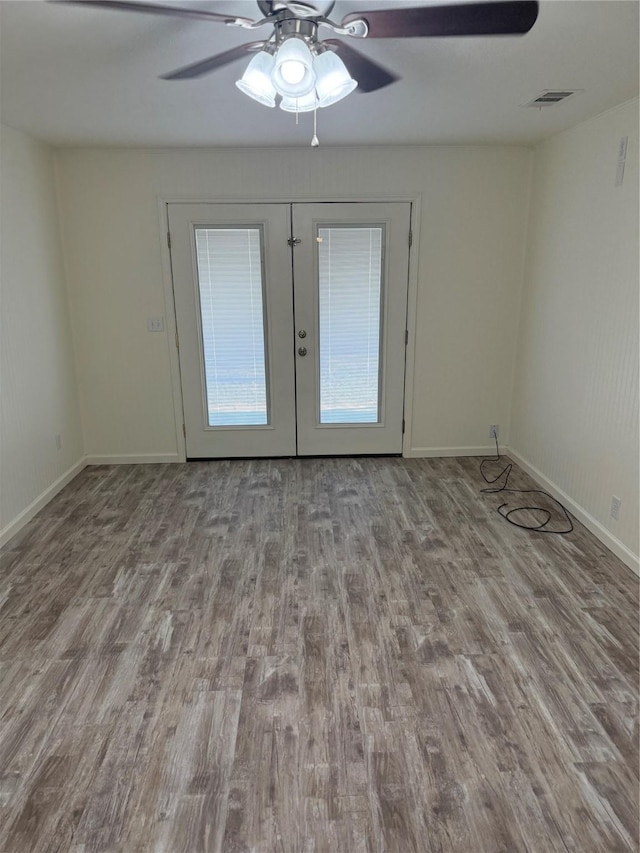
(417, 452)
(42, 500)
(608, 539)
(133, 459)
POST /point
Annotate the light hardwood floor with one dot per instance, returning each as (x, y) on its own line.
(295, 656)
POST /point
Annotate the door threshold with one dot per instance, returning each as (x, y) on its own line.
(315, 456)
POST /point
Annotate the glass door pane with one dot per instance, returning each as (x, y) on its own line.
(230, 288)
(350, 299)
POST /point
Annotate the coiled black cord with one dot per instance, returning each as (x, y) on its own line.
(506, 514)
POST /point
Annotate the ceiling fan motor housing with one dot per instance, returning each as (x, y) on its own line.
(302, 27)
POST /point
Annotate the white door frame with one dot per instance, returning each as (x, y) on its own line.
(170, 311)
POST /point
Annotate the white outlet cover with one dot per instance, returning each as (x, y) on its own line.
(615, 507)
(622, 147)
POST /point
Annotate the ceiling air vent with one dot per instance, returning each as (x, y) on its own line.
(551, 96)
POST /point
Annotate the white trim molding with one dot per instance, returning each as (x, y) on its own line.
(599, 531)
(134, 459)
(41, 501)
(172, 331)
(431, 452)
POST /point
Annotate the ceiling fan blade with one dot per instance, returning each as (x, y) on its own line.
(205, 66)
(512, 17)
(152, 9)
(369, 75)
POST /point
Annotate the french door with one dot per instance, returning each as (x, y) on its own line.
(291, 322)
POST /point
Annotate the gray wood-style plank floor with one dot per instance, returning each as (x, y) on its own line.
(307, 655)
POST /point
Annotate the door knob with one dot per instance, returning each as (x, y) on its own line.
(302, 351)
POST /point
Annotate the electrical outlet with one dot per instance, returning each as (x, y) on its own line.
(58, 439)
(155, 324)
(622, 157)
(622, 147)
(493, 430)
(616, 503)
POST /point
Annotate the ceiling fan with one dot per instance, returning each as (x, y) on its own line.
(293, 63)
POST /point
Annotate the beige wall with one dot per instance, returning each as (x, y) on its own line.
(574, 390)
(37, 376)
(471, 244)
(575, 402)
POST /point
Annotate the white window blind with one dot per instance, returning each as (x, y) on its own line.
(231, 309)
(350, 290)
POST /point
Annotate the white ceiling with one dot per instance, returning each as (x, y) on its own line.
(87, 76)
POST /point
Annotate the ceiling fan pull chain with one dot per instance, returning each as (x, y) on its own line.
(314, 139)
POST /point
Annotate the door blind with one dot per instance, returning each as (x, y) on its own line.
(230, 284)
(350, 290)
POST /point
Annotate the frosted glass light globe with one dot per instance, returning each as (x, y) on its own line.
(300, 105)
(333, 81)
(293, 75)
(256, 80)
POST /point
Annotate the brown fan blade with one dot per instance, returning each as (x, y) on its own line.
(205, 66)
(513, 17)
(152, 9)
(369, 75)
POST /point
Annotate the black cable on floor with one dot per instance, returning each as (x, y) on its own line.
(506, 473)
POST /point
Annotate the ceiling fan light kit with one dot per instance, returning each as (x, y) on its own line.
(307, 73)
(304, 76)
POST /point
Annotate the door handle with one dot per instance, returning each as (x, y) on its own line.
(302, 350)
